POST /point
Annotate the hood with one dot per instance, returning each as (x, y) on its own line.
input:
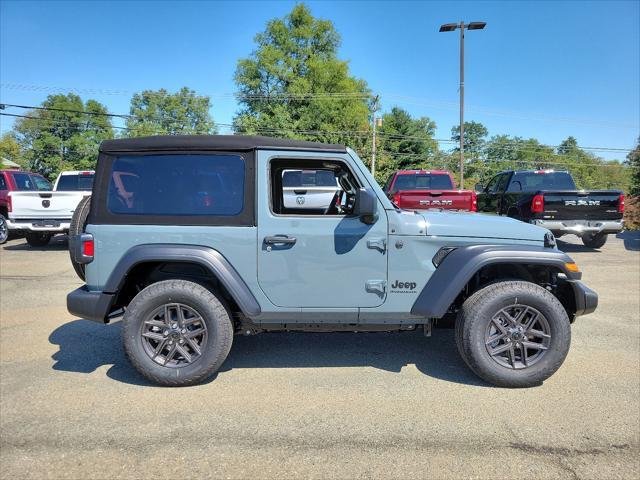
(480, 225)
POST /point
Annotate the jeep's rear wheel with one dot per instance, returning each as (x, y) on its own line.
(177, 333)
(76, 227)
(513, 334)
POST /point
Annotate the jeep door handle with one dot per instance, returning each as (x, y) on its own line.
(280, 240)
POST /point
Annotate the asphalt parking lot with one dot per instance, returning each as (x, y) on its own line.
(295, 405)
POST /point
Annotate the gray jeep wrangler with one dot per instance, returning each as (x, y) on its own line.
(196, 238)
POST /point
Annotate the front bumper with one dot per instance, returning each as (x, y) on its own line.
(94, 306)
(39, 225)
(579, 227)
(586, 299)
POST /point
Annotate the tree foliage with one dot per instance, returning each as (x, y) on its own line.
(10, 148)
(162, 113)
(65, 135)
(633, 160)
(293, 85)
(404, 142)
(475, 135)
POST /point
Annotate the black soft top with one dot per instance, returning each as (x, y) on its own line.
(213, 142)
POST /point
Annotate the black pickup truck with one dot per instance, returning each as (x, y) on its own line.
(550, 199)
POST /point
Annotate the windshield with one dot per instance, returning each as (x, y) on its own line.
(72, 183)
(29, 181)
(423, 182)
(533, 181)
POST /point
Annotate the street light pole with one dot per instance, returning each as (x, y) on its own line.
(450, 27)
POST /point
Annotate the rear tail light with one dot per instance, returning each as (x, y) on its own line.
(537, 204)
(474, 202)
(83, 248)
(9, 204)
(620, 204)
(88, 247)
(396, 198)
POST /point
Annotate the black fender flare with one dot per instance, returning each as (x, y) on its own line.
(207, 257)
(459, 266)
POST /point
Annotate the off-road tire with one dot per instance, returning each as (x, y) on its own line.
(36, 239)
(195, 296)
(478, 310)
(4, 230)
(76, 227)
(596, 240)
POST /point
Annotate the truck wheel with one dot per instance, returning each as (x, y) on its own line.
(4, 230)
(594, 240)
(76, 227)
(176, 333)
(38, 239)
(513, 334)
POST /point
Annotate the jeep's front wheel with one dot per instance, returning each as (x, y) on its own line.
(513, 334)
(176, 333)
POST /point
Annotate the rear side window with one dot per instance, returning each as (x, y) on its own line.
(27, 181)
(177, 185)
(308, 178)
(72, 183)
(422, 182)
(533, 181)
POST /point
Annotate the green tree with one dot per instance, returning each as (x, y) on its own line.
(404, 142)
(633, 160)
(475, 135)
(10, 148)
(293, 85)
(158, 112)
(504, 152)
(64, 135)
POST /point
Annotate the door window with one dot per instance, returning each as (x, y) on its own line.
(312, 188)
(491, 186)
(502, 182)
(3, 183)
(497, 183)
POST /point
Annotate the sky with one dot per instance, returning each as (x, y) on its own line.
(543, 69)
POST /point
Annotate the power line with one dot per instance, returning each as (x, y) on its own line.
(365, 133)
(403, 99)
(60, 121)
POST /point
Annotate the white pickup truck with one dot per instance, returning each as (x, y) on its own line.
(42, 214)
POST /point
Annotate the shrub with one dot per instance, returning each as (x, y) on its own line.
(632, 213)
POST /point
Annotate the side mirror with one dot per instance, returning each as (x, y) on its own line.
(366, 206)
(479, 188)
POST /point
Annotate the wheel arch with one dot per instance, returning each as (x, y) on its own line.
(143, 265)
(467, 269)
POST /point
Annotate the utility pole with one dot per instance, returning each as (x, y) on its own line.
(450, 27)
(374, 108)
(461, 105)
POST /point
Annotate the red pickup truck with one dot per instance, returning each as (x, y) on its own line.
(423, 189)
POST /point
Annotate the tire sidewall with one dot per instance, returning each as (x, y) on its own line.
(594, 241)
(204, 303)
(487, 307)
(5, 237)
